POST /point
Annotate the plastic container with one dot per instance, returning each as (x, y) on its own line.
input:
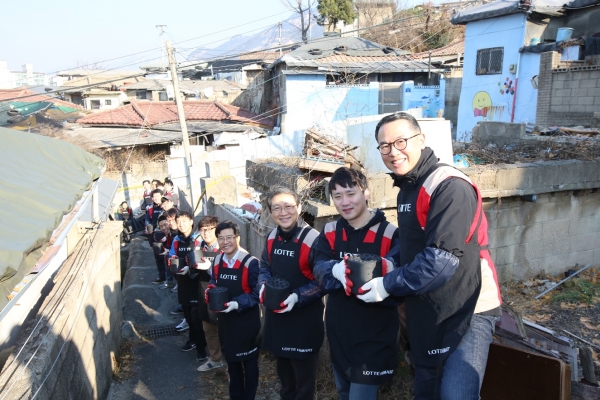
(534, 41)
(217, 297)
(276, 291)
(174, 265)
(363, 268)
(563, 34)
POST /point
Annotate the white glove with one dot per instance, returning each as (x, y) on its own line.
(232, 305)
(339, 272)
(261, 299)
(183, 270)
(203, 265)
(164, 253)
(373, 291)
(290, 302)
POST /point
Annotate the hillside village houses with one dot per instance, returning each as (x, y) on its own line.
(507, 49)
(291, 117)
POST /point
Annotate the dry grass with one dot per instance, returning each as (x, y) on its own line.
(539, 150)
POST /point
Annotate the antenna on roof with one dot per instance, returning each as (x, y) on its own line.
(161, 28)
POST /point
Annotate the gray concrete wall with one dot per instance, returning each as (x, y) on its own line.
(569, 92)
(453, 87)
(500, 133)
(553, 234)
(69, 354)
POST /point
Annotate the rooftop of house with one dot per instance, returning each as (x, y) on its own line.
(352, 55)
(262, 55)
(507, 7)
(185, 85)
(23, 94)
(451, 49)
(149, 113)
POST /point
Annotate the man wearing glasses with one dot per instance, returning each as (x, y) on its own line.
(446, 276)
(210, 248)
(294, 333)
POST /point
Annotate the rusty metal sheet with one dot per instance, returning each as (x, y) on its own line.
(516, 374)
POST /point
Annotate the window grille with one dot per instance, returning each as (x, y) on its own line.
(489, 61)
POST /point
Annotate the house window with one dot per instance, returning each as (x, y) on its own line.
(95, 104)
(107, 102)
(489, 61)
(162, 96)
(140, 94)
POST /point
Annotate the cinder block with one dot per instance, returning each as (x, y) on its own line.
(217, 169)
(511, 177)
(585, 242)
(584, 257)
(553, 230)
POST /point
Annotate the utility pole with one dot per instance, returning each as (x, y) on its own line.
(161, 28)
(279, 24)
(184, 131)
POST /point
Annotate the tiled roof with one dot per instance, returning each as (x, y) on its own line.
(448, 50)
(151, 113)
(358, 59)
(32, 97)
(262, 55)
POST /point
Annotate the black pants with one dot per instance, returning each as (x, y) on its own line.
(160, 267)
(243, 379)
(192, 316)
(298, 377)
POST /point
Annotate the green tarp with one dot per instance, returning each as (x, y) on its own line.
(41, 180)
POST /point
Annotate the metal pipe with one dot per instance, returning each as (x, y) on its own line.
(563, 281)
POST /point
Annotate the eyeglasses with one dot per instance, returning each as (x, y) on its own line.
(226, 238)
(207, 229)
(399, 144)
(278, 209)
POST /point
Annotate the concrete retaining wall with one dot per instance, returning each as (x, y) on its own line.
(67, 350)
(553, 234)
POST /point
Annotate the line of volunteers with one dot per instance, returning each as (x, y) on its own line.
(434, 277)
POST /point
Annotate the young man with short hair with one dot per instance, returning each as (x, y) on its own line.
(154, 211)
(147, 196)
(183, 248)
(447, 278)
(161, 248)
(170, 192)
(294, 333)
(210, 248)
(362, 337)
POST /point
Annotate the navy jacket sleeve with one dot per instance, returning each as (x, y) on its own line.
(248, 300)
(451, 213)
(324, 262)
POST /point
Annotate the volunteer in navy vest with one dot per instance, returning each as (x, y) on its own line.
(295, 332)
(445, 275)
(153, 212)
(362, 337)
(239, 323)
(210, 248)
(147, 197)
(183, 247)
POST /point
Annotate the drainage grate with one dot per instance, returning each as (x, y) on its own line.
(158, 331)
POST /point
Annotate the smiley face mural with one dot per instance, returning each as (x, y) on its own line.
(482, 103)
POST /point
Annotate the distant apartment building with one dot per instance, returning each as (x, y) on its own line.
(26, 77)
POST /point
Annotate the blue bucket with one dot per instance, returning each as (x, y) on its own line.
(563, 34)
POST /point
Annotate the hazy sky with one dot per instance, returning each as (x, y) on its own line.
(56, 35)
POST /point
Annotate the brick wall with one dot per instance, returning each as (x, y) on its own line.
(568, 92)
